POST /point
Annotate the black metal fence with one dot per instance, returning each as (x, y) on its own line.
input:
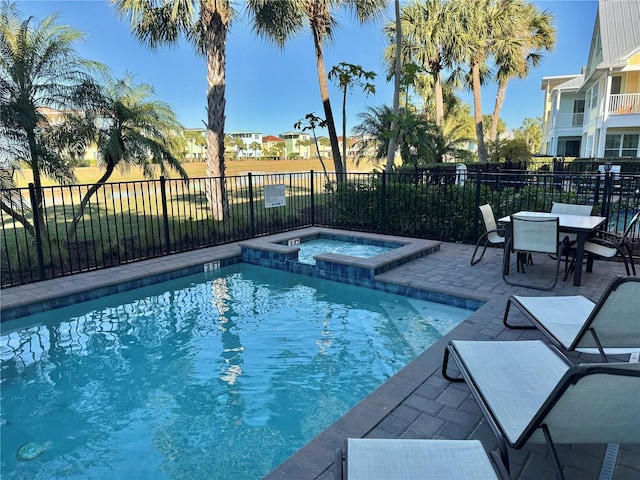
(130, 221)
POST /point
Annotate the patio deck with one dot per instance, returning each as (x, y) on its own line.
(416, 402)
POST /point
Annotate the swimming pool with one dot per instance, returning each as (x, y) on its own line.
(311, 248)
(219, 376)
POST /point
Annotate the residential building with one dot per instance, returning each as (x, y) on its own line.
(196, 144)
(597, 113)
(247, 144)
(298, 144)
(273, 147)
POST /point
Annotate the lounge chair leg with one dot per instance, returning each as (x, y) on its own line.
(338, 473)
(504, 453)
(445, 365)
(510, 325)
(554, 454)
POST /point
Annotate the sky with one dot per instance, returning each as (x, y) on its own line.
(269, 89)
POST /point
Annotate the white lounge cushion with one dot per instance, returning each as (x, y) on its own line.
(562, 316)
(405, 459)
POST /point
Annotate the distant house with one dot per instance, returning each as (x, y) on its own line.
(597, 113)
(248, 144)
(273, 147)
(196, 144)
(298, 144)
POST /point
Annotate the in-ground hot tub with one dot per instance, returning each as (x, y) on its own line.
(283, 253)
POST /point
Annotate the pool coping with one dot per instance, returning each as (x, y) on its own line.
(23, 300)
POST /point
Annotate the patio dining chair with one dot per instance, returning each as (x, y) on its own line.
(530, 393)
(571, 209)
(534, 235)
(407, 459)
(608, 245)
(493, 234)
(609, 327)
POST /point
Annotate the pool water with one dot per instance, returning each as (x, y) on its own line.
(205, 377)
(309, 249)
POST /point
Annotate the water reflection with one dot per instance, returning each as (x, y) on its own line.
(222, 378)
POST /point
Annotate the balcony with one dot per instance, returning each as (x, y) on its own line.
(569, 120)
(624, 104)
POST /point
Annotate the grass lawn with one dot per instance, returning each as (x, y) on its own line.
(88, 175)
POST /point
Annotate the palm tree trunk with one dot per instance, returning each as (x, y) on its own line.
(19, 218)
(215, 40)
(500, 96)
(324, 94)
(344, 130)
(393, 140)
(437, 89)
(85, 199)
(477, 110)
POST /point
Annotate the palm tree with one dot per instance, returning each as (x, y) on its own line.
(425, 42)
(517, 51)
(255, 146)
(397, 70)
(475, 26)
(347, 75)
(374, 128)
(205, 24)
(420, 141)
(129, 128)
(39, 69)
(280, 20)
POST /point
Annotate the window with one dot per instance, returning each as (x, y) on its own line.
(616, 83)
(622, 145)
(578, 113)
(595, 90)
(590, 146)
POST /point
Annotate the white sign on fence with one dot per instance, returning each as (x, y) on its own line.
(275, 196)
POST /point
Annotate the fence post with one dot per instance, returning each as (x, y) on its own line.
(476, 215)
(607, 192)
(313, 206)
(383, 203)
(37, 214)
(252, 223)
(165, 214)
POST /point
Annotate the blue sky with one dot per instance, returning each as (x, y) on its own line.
(269, 89)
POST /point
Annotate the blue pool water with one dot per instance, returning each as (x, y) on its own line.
(314, 247)
(205, 377)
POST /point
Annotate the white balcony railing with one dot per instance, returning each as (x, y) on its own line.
(569, 119)
(624, 104)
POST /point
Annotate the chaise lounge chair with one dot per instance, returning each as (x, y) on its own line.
(530, 393)
(575, 323)
(395, 459)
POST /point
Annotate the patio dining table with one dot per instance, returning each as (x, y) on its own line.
(582, 225)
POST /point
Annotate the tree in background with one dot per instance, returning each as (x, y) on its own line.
(280, 20)
(348, 76)
(39, 69)
(425, 43)
(204, 24)
(130, 128)
(311, 122)
(531, 133)
(519, 49)
(488, 125)
(255, 146)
